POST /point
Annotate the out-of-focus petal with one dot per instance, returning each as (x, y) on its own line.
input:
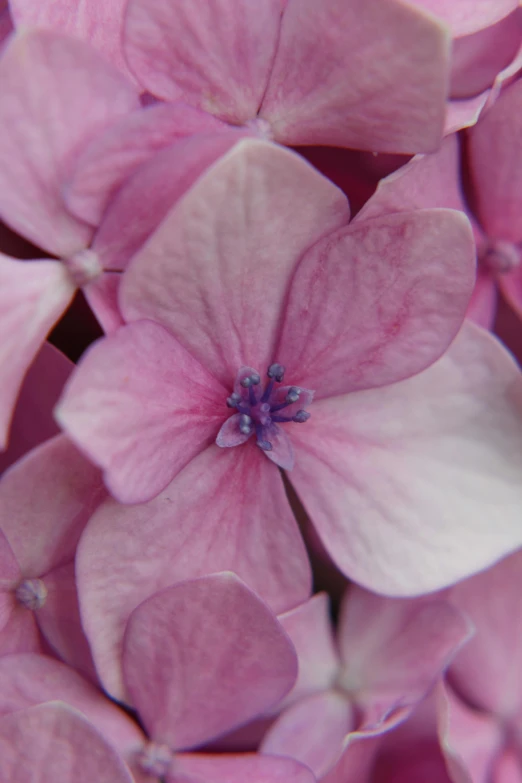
(231, 768)
(56, 94)
(141, 407)
(337, 80)
(33, 295)
(468, 16)
(203, 657)
(217, 270)
(377, 302)
(226, 510)
(415, 486)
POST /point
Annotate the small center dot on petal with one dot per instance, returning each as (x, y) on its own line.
(155, 759)
(84, 267)
(31, 593)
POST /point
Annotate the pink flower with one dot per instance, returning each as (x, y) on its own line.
(299, 71)
(255, 267)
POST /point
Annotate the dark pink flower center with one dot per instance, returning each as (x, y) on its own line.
(499, 257)
(31, 593)
(261, 407)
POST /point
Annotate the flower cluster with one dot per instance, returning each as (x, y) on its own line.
(260, 406)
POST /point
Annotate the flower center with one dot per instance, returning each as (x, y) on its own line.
(31, 593)
(261, 409)
(155, 759)
(499, 257)
(83, 267)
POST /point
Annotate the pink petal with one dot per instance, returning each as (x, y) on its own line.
(240, 663)
(141, 407)
(235, 239)
(488, 672)
(102, 296)
(238, 768)
(51, 743)
(56, 94)
(33, 422)
(511, 287)
(394, 650)
(469, 739)
(230, 435)
(218, 55)
(337, 80)
(507, 768)
(355, 765)
(468, 16)
(20, 633)
(45, 502)
(185, 161)
(282, 452)
(213, 517)
(310, 628)
(406, 484)
(464, 113)
(378, 301)
(9, 568)
(114, 155)
(312, 731)
(33, 295)
(483, 304)
(496, 162)
(99, 25)
(28, 680)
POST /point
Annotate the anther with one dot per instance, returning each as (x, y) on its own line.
(276, 372)
(301, 416)
(233, 400)
(293, 394)
(245, 424)
(250, 380)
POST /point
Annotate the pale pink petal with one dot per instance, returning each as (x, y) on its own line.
(99, 24)
(483, 303)
(56, 94)
(469, 739)
(282, 452)
(487, 672)
(496, 165)
(231, 768)
(377, 302)
(114, 155)
(312, 731)
(141, 407)
(426, 181)
(185, 161)
(33, 422)
(45, 502)
(203, 657)
(28, 680)
(464, 113)
(102, 296)
(51, 743)
(468, 16)
(309, 626)
(479, 57)
(216, 271)
(217, 55)
(337, 80)
(394, 650)
(415, 486)
(59, 621)
(213, 517)
(33, 295)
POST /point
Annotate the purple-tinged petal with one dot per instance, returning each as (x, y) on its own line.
(378, 301)
(468, 16)
(282, 452)
(414, 486)
(203, 657)
(97, 24)
(310, 628)
(216, 271)
(102, 296)
(464, 113)
(33, 295)
(114, 155)
(52, 742)
(29, 679)
(45, 502)
(337, 80)
(232, 768)
(217, 55)
(33, 421)
(487, 672)
(496, 166)
(141, 407)
(56, 94)
(394, 650)
(185, 161)
(312, 731)
(226, 510)
(230, 435)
